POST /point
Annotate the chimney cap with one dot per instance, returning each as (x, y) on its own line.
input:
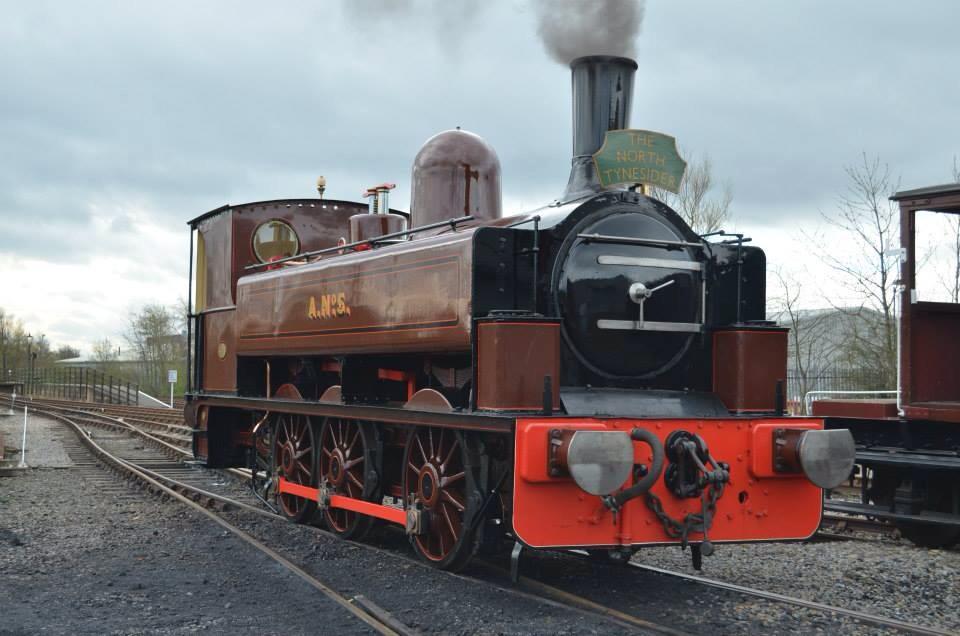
(609, 59)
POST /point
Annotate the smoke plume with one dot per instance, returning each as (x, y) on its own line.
(573, 28)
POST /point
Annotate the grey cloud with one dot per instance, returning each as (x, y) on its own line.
(182, 107)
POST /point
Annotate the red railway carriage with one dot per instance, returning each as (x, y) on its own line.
(909, 447)
(590, 374)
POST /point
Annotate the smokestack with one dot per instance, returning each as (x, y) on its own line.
(602, 97)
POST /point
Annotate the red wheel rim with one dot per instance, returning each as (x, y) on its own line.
(435, 477)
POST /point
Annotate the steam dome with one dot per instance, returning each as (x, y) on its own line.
(456, 173)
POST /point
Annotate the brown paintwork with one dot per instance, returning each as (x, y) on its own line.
(929, 332)
(865, 409)
(513, 358)
(747, 363)
(935, 345)
(227, 236)
(317, 223)
(216, 232)
(936, 411)
(368, 226)
(219, 373)
(786, 450)
(456, 173)
(408, 297)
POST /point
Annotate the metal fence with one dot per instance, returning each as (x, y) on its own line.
(836, 378)
(78, 383)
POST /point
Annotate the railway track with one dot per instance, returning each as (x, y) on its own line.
(168, 426)
(126, 454)
(121, 445)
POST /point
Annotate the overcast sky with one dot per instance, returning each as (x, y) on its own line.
(119, 121)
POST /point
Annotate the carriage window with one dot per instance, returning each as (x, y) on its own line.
(937, 259)
(275, 239)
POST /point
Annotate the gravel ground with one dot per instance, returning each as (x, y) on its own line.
(890, 578)
(43, 449)
(81, 553)
(99, 557)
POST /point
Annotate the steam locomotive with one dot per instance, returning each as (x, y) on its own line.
(589, 374)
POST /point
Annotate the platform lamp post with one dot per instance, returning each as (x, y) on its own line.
(36, 353)
(29, 385)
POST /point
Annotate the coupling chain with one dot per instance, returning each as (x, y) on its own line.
(693, 521)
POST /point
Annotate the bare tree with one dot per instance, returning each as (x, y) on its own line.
(65, 352)
(15, 342)
(704, 209)
(870, 222)
(154, 334)
(5, 329)
(811, 347)
(105, 354)
(953, 223)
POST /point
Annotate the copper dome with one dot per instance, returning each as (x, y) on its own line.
(456, 173)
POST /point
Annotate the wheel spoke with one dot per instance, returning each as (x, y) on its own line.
(325, 451)
(422, 452)
(303, 467)
(446, 494)
(301, 453)
(456, 443)
(446, 481)
(353, 442)
(331, 426)
(353, 462)
(446, 515)
(433, 453)
(412, 468)
(303, 433)
(356, 481)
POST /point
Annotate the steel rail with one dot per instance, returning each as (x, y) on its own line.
(566, 598)
(872, 619)
(121, 464)
(122, 424)
(546, 594)
(118, 422)
(554, 594)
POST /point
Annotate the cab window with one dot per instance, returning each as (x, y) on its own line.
(273, 240)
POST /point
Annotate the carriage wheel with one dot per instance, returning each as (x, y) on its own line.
(938, 497)
(436, 477)
(345, 462)
(293, 451)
